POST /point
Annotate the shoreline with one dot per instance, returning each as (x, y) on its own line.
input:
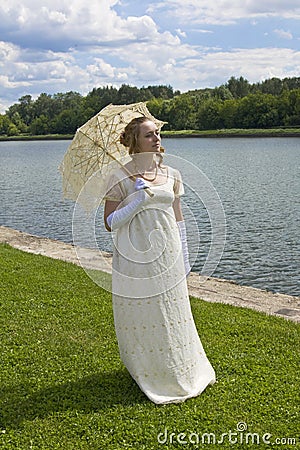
(243, 133)
(211, 289)
(233, 135)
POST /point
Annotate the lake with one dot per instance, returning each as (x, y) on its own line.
(251, 185)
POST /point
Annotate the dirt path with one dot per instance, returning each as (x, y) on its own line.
(209, 289)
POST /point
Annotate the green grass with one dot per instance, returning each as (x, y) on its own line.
(231, 132)
(41, 137)
(63, 385)
(237, 132)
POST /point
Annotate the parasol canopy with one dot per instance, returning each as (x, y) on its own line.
(95, 152)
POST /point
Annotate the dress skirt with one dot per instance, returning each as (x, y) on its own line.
(157, 337)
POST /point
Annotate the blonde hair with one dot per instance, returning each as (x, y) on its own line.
(129, 137)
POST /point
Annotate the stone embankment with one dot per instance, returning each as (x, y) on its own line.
(209, 289)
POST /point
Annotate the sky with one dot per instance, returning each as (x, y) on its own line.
(52, 46)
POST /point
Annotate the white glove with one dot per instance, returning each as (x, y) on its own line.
(185, 250)
(140, 184)
(121, 216)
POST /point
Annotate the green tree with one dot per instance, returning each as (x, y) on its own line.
(39, 125)
(181, 113)
(128, 94)
(272, 86)
(17, 120)
(290, 104)
(239, 87)
(98, 98)
(258, 111)
(222, 93)
(12, 130)
(165, 113)
(66, 122)
(67, 100)
(155, 106)
(291, 83)
(161, 91)
(237, 103)
(208, 115)
(45, 106)
(4, 124)
(24, 109)
(228, 113)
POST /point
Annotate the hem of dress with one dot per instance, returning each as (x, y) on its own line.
(167, 400)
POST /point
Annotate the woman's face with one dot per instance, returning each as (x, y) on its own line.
(149, 139)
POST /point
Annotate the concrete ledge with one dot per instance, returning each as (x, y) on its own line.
(209, 289)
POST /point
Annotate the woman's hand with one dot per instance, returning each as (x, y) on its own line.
(140, 184)
(119, 217)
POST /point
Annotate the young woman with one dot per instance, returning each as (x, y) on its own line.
(156, 333)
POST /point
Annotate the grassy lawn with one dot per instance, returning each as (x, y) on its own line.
(41, 137)
(63, 386)
(236, 132)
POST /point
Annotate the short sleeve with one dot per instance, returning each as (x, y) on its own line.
(178, 184)
(114, 190)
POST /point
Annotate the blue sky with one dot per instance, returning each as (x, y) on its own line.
(62, 45)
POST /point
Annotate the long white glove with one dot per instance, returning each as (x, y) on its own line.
(121, 216)
(185, 250)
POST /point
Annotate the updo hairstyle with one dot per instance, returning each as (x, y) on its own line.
(129, 137)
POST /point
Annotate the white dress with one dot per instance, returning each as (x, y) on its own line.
(157, 336)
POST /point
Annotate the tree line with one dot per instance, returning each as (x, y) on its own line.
(236, 104)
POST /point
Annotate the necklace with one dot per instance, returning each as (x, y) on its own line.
(143, 176)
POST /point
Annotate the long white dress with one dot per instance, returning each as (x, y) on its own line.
(157, 336)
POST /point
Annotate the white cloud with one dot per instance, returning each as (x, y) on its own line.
(253, 64)
(181, 33)
(192, 69)
(225, 12)
(182, 66)
(7, 83)
(203, 31)
(101, 69)
(102, 73)
(8, 52)
(23, 73)
(283, 34)
(65, 45)
(60, 24)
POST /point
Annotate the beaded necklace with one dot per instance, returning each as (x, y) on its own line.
(143, 176)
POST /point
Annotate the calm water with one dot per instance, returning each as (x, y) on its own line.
(257, 181)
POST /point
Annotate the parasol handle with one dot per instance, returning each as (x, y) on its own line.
(148, 190)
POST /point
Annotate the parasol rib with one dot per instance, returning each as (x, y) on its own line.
(93, 146)
(149, 192)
